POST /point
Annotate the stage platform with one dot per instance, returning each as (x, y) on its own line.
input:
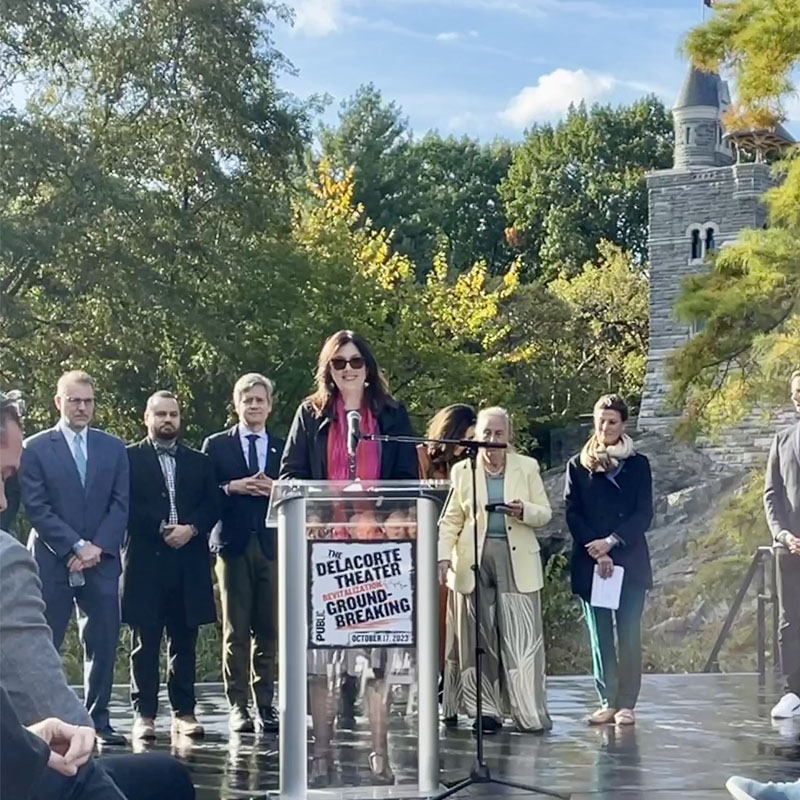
(693, 732)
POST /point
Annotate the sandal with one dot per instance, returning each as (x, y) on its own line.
(624, 717)
(603, 716)
(383, 776)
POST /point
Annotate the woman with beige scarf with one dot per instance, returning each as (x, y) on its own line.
(609, 507)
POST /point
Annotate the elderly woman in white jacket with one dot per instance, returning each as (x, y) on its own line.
(511, 503)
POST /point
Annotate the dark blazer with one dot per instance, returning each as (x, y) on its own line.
(782, 484)
(241, 515)
(595, 508)
(145, 554)
(62, 511)
(306, 454)
(23, 755)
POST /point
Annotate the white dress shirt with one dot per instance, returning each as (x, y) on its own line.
(262, 445)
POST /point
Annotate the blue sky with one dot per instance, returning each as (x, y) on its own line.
(489, 68)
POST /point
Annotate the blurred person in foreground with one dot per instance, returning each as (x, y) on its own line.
(348, 379)
(436, 461)
(511, 503)
(35, 692)
(166, 565)
(782, 508)
(608, 498)
(74, 481)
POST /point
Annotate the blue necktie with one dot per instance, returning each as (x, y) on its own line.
(80, 459)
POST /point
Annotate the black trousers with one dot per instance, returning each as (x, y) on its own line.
(150, 776)
(789, 630)
(181, 656)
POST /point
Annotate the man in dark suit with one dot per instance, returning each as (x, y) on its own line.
(166, 565)
(246, 458)
(782, 507)
(74, 482)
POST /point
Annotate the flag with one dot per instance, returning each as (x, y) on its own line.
(709, 3)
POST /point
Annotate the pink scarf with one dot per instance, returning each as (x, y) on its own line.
(368, 454)
(368, 460)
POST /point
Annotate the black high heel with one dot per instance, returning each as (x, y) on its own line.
(322, 772)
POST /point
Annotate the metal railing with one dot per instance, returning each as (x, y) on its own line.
(764, 561)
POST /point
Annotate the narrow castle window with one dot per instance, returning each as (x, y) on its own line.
(711, 245)
(697, 245)
(687, 135)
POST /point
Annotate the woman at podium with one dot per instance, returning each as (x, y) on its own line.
(511, 503)
(435, 463)
(348, 379)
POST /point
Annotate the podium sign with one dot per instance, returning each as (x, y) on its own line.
(361, 594)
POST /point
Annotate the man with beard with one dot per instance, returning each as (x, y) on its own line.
(166, 577)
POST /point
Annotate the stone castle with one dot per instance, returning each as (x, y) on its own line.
(698, 206)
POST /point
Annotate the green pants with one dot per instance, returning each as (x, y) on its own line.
(617, 670)
(248, 589)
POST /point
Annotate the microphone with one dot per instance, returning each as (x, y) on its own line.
(353, 432)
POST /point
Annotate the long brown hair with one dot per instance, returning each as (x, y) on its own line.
(450, 422)
(376, 389)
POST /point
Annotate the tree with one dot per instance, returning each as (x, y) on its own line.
(748, 301)
(577, 337)
(434, 194)
(581, 181)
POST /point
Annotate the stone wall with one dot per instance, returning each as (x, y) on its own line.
(727, 199)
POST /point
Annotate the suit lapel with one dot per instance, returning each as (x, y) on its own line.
(236, 450)
(511, 487)
(92, 457)
(273, 459)
(795, 437)
(151, 458)
(64, 454)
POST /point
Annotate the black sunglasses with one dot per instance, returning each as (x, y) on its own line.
(356, 362)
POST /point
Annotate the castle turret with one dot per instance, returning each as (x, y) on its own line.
(697, 116)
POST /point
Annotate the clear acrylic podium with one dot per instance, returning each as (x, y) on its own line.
(357, 588)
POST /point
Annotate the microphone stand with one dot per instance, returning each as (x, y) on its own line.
(480, 773)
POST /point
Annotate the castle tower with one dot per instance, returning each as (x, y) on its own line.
(698, 206)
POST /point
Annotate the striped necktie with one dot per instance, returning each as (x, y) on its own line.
(80, 458)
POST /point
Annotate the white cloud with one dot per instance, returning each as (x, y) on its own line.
(455, 36)
(318, 17)
(553, 93)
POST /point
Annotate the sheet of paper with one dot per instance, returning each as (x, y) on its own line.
(606, 591)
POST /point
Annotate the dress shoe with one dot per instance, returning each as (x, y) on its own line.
(143, 727)
(240, 721)
(187, 725)
(108, 736)
(269, 719)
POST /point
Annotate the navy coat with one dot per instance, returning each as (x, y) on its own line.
(596, 507)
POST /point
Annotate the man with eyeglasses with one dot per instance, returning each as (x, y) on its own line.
(50, 758)
(74, 482)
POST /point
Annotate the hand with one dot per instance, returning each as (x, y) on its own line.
(75, 564)
(70, 745)
(90, 554)
(606, 566)
(598, 548)
(793, 543)
(443, 567)
(261, 485)
(178, 535)
(516, 509)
